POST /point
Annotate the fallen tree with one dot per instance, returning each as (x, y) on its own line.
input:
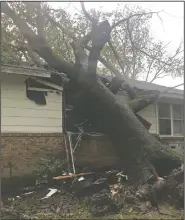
(97, 101)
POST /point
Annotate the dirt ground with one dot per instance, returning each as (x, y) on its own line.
(67, 205)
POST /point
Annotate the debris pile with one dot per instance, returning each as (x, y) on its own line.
(102, 193)
(102, 189)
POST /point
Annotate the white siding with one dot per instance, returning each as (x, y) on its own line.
(19, 114)
(149, 113)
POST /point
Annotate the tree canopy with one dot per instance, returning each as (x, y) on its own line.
(138, 55)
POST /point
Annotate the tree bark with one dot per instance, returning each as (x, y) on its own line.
(136, 147)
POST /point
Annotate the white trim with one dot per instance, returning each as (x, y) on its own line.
(41, 90)
(52, 85)
(172, 95)
(171, 118)
(170, 136)
(27, 71)
(157, 118)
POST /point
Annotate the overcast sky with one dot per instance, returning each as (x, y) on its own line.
(170, 29)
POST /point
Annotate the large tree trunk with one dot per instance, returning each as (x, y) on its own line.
(138, 149)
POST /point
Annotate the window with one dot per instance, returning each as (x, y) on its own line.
(178, 119)
(171, 119)
(164, 119)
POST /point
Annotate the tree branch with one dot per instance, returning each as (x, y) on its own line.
(157, 73)
(38, 44)
(144, 122)
(57, 24)
(131, 16)
(18, 21)
(35, 58)
(81, 58)
(160, 77)
(100, 36)
(173, 87)
(87, 15)
(108, 65)
(140, 103)
(118, 75)
(117, 57)
(153, 61)
(40, 20)
(147, 54)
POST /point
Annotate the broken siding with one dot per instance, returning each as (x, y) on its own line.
(149, 113)
(19, 114)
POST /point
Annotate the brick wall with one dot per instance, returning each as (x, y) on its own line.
(23, 151)
(96, 152)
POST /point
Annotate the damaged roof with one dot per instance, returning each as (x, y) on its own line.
(148, 86)
(165, 92)
(41, 72)
(151, 86)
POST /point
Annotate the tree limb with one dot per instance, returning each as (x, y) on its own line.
(57, 24)
(131, 16)
(173, 87)
(144, 122)
(39, 45)
(177, 52)
(117, 57)
(108, 66)
(160, 77)
(40, 20)
(140, 103)
(35, 58)
(87, 15)
(18, 21)
(83, 41)
(100, 36)
(115, 85)
(153, 61)
(147, 54)
(118, 75)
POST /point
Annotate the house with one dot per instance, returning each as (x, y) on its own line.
(166, 115)
(31, 118)
(33, 121)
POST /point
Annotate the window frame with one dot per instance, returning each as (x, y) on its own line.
(171, 119)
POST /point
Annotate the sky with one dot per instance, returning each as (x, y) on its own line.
(171, 29)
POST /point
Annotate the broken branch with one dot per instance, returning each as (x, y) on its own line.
(138, 104)
(88, 16)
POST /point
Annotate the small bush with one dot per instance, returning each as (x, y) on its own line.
(48, 168)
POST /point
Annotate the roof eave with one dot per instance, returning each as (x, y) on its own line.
(27, 71)
(172, 95)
